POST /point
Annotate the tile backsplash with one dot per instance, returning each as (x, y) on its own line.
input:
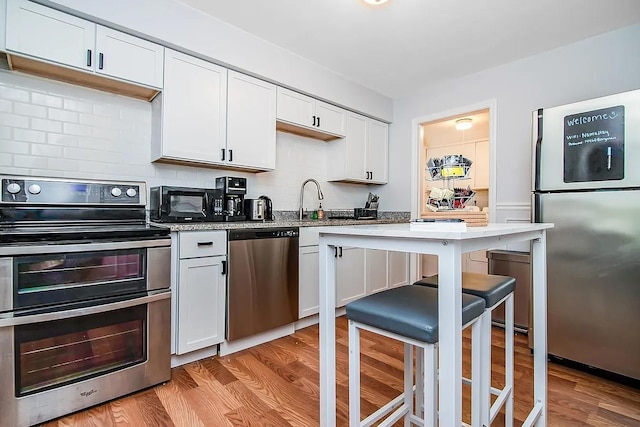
(48, 128)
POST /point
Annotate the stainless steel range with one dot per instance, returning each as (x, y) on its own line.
(84, 296)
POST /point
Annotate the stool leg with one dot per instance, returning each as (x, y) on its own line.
(408, 382)
(430, 376)
(485, 370)
(419, 408)
(508, 348)
(477, 389)
(354, 375)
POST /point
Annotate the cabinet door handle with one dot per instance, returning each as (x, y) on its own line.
(89, 57)
(335, 255)
(205, 244)
(100, 61)
(340, 252)
(371, 175)
(318, 121)
(224, 267)
(231, 155)
(314, 121)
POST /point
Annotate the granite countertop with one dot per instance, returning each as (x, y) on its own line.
(290, 219)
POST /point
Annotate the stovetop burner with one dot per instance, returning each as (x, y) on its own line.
(35, 210)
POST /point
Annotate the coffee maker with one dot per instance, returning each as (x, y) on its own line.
(234, 190)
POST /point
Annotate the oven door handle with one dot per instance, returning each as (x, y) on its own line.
(84, 311)
(82, 247)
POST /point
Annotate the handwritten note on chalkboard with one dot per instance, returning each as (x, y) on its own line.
(594, 145)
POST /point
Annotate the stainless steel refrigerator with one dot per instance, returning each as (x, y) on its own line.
(586, 181)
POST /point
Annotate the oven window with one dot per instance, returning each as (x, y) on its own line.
(70, 350)
(77, 276)
(185, 204)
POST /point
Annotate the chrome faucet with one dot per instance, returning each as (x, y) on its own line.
(320, 195)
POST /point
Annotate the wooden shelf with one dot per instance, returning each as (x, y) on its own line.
(471, 218)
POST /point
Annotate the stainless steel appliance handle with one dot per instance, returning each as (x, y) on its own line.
(82, 247)
(65, 314)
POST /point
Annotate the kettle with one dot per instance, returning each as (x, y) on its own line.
(268, 208)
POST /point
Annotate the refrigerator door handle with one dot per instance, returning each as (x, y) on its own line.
(538, 152)
(536, 207)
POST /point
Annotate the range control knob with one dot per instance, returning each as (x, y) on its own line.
(131, 192)
(34, 189)
(116, 192)
(13, 188)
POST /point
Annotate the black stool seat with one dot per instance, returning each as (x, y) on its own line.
(489, 287)
(410, 311)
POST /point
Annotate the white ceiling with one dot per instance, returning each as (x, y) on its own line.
(403, 44)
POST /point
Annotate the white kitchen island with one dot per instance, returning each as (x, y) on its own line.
(449, 247)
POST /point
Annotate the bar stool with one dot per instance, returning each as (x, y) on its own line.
(494, 290)
(408, 314)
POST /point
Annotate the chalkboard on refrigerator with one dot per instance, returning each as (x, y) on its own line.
(594, 145)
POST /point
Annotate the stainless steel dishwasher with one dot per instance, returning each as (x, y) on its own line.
(262, 288)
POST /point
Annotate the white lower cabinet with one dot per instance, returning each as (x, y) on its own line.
(376, 261)
(386, 269)
(309, 296)
(398, 269)
(359, 272)
(350, 275)
(200, 290)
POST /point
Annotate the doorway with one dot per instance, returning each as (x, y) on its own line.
(466, 136)
(436, 136)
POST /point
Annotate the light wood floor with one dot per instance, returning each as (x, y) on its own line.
(276, 384)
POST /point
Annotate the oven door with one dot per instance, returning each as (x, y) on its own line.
(56, 363)
(38, 277)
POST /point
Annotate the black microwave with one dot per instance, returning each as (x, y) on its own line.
(184, 204)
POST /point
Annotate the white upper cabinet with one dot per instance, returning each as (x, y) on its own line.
(296, 108)
(353, 148)
(378, 152)
(190, 115)
(330, 118)
(129, 58)
(51, 35)
(251, 122)
(362, 155)
(303, 115)
(41, 40)
(212, 116)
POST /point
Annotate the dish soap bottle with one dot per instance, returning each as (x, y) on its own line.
(320, 212)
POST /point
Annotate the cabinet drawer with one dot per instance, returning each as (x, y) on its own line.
(195, 244)
(309, 236)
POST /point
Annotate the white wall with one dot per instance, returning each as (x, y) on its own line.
(174, 24)
(598, 66)
(48, 128)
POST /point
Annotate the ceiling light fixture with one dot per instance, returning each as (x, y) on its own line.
(376, 2)
(463, 124)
